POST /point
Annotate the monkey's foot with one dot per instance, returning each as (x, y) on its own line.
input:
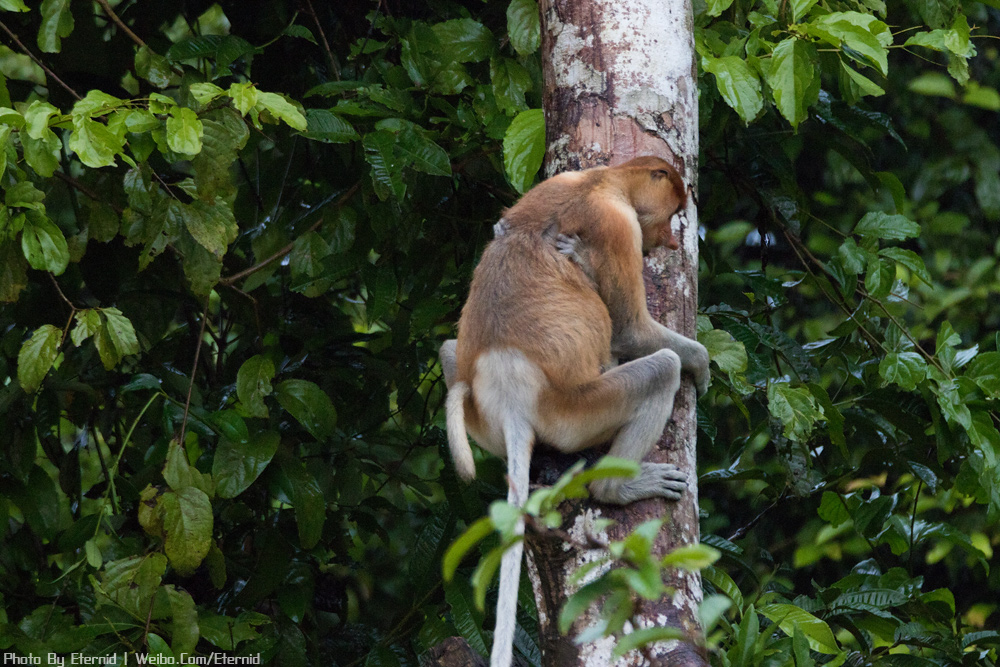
(655, 480)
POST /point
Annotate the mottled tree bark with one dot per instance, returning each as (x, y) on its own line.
(620, 81)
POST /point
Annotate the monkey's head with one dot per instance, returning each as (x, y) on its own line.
(657, 193)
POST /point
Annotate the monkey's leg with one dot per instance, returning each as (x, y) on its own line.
(449, 362)
(632, 403)
(648, 335)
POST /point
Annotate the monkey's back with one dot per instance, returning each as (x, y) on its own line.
(527, 296)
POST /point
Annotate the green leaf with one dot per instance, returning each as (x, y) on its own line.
(253, 383)
(244, 96)
(13, 271)
(238, 464)
(213, 227)
(310, 405)
(153, 67)
(94, 143)
(638, 638)
(800, 8)
(184, 131)
(187, 524)
(903, 368)
(889, 227)
(184, 632)
(691, 557)
(37, 355)
(483, 575)
(716, 7)
(120, 332)
(387, 171)
(790, 617)
(724, 350)
(308, 500)
(510, 82)
(43, 244)
(468, 539)
(179, 474)
(131, 582)
(738, 84)
(57, 23)
(580, 601)
(327, 126)
(282, 109)
(524, 148)
(464, 40)
(863, 34)
(863, 84)
(524, 26)
(88, 323)
(422, 154)
(467, 621)
(204, 92)
(13, 6)
(794, 407)
(910, 260)
(794, 79)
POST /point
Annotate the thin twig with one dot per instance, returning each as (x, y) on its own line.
(326, 44)
(86, 190)
(27, 52)
(121, 24)
(194, 369)
(229, 280)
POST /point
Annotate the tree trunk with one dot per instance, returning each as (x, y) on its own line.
(620, 81)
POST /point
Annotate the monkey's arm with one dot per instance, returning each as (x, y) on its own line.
(620, 283)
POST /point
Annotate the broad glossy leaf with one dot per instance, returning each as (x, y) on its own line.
(464, 40)
(510, 82)
(37, 355)
(691, 557)
(310, 406)
(120, 331)
(387, 172)
(863, 34)
(13, 271)
(460, 547)
(94, 143)
(244, 96)
(889, 227)
(724, 350)
(795, 408)
(57, 23)
(43, 244)
(88, 323)
(524, 26)
(153, 67)
(524, 148)
(307, 497)
(187, 524)
(738, 84)
(910, 260)
(238, 464)
(794, 78)
(420, 153)
(132, 582)
(800, 8)
(638, 638)
(789, 617)
(253, 383)
(282, 109)
(184, 131)
(329, 127)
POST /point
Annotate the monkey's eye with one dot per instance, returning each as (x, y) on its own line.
(661, 173)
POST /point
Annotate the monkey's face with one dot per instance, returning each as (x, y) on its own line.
(659, 196)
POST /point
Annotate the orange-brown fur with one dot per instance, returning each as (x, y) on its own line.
(544, 322)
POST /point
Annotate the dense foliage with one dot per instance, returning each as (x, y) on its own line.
(233, 236)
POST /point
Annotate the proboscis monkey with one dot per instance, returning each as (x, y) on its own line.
(556, 299)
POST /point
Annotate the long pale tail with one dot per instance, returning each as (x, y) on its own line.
(458, 441)
(518, 437)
